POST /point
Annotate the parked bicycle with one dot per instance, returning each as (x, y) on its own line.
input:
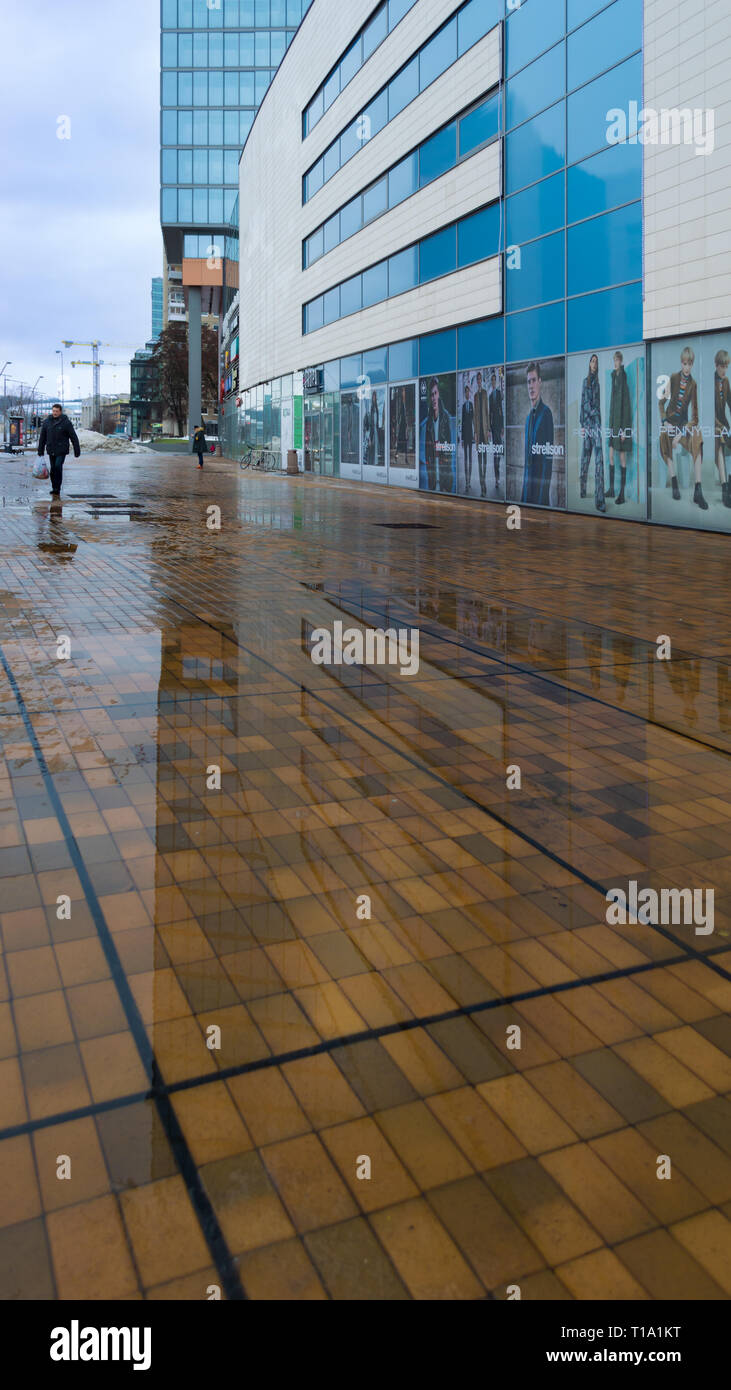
(262, 460)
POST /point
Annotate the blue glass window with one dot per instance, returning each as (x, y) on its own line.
(375, 199)
(314, 178)
(403, 359)
(185, 126)
(331, 375)
(185, 205)
(535, 334)
(437, 254)
(230, 171)
(536, 86)
(350, 63)
(185, 88)
(185, 14)
(375, 284)
(403, 270)
(169, 50)
(215, 127)
(330, 162)
(375, 32)
(478, 235)
(437, 55)
(262, 13)
(579, 10)
(170, 89)
(169, 205)
(476, 20)
(200, 14)
(185, 166)
(540, 276)
(588, 108)
(438, 154)
(169, 166)
(230, 197)
(350, 142)
(331, 88)
(215, 50)
(531, 29)
(246, 120)
(608, 319)
(403, 88)
(246, 58)
(539, 207)
(200, 166)
(263, 78)
(351, 218)
(169, 127)
(331, 305)
(351, 296)
(262, 50)
(231, 127)
(169, 14)
(215, 204)
(479, 125)
(606, 250)
(375, 364)
(279, 48)
(200, 204)
(313, 315)
(278, 13)
(314, 246)
(396, 11)
(231, 51)
(375, 116)
(331, 233)
(614, 34)
(215, 89)
(185, 50)
(200, 50)
(235, 83)
(535, 149)
(437, 352)
(480, 342)
(351, 370)
(403, 180)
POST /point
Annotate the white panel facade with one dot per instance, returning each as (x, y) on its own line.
(273, 221)
(687, 195)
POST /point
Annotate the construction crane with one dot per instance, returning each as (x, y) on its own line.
(96, 364)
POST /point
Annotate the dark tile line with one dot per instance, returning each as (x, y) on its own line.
(212, 1232)
(329, 1045)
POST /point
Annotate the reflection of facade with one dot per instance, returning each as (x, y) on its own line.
(405, 184)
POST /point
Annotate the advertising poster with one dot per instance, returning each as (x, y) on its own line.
(606, 439)
(402, 469)
(481, 433)
(373, 429)
(350, 435)
(535, 433)
(438, 433)
(690, 431)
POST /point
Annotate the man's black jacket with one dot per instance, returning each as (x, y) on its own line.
(57, 435)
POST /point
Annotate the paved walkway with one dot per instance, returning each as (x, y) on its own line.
(203, 1027)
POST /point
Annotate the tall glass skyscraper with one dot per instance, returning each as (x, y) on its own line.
(217, 60)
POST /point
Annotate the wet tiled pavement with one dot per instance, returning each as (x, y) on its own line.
(142, 908)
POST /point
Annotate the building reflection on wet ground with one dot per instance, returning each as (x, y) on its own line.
(262, 920)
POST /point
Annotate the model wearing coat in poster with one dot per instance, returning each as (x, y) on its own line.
(538, 469)
(590, 420)
(495, 406)
(620, 425)
(401, 423)
(679, 417)
(438, 433)
(468, 436)
(721, 424)
(482, 431)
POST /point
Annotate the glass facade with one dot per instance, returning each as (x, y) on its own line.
(216, 64)
(156, 302)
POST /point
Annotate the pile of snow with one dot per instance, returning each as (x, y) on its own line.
(93, 443)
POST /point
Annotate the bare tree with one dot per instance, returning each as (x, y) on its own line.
(170, 357)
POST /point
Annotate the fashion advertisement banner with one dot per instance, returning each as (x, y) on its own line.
(438, 433)
(535, 433)
(402, 469)
(350, 435)
(606, 441)
(690, 431)
(373, 429)
(481, 433)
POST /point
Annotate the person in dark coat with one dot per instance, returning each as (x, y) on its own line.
(468, 436)
(438, 443)
(590, 420)
(538, 470)
(495, 408)
(57, 434)
(199, 443)
(620, 424)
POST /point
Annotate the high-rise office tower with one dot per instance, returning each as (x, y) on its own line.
(217, 59)
(156, 302)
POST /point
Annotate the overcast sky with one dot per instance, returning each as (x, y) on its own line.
(79, 218)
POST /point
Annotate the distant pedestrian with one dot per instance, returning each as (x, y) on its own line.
(199, 443)
(57, 433)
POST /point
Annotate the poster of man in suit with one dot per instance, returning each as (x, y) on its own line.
(535, 433)
(481, 433)
(438, 433)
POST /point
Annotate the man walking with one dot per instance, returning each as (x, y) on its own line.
(482, 431)
(199, 443)
(57, 433)
(468, 435)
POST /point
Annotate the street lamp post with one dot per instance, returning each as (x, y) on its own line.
(59, 353)
(33, 399)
